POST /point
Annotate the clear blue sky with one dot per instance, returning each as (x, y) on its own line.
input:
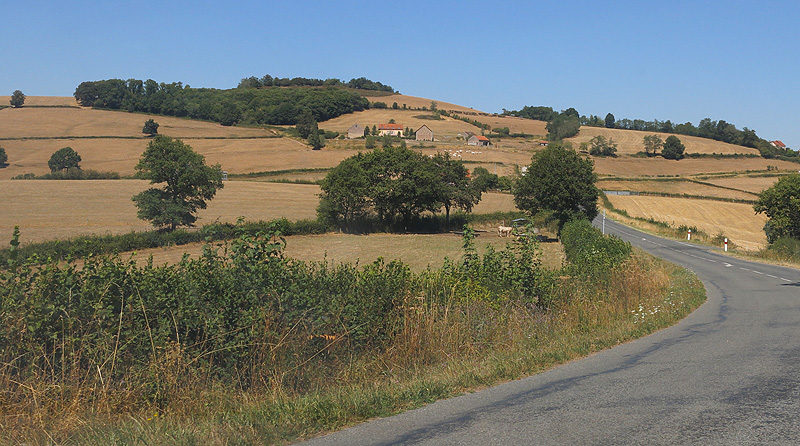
(677, 60)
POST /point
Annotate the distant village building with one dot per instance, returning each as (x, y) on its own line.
(778, 144)
(356, 131)
(478, 140)
(466, 135)
(424, 133)
(390, 129)
(543, 142)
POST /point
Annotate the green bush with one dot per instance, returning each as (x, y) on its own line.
(591, 253)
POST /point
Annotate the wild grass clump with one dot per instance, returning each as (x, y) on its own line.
(245, 345)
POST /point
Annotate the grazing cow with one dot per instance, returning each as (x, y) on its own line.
(504, 231)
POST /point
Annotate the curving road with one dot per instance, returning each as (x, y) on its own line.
(727, 374)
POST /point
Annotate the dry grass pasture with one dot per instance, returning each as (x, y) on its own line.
(752, 184)
(445, 129)
(47, 210)
(736, 221)
(514, 124)
(630, 142)
(674, 187)
(348, 248)
(44, 101)
(415, 102)
(629, 167)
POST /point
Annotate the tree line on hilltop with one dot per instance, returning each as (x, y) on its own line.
(567, 123)
(272, 106)
(361, 83)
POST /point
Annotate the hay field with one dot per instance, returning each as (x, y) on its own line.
(443, 130)
(47, 210)
(418, 251)
(121, 155)
(44, 101)
(736, 221)
(630, 142)
(415, 102)
(514, 124)
(674, 187)
(64, 122)
(629, 167)
(743, 182)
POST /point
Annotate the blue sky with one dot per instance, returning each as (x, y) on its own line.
(677, 60)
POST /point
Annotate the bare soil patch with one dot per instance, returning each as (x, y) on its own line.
(736, 221)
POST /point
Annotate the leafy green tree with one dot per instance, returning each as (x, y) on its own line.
(456, 189)
(652, 144)
(17, 99)
(3, 157)
(374, 130)
(600, 146)
(188, 183)
(395, 106)
(610, 120)
(571, 112)
(345, 193)
(150, 127)
(483, 180)
(563, 126)
(64, 159)
(561, 181)
(305, 123)
(434, 106)
(315, 140)
(673, 148)
(781, 204)
(369, 143)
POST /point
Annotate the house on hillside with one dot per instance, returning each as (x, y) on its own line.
(424, 133)
(466, 135)
(356, 131)
(478, 140)
(778, 144)
(390, 129)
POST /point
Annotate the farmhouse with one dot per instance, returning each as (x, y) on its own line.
(466, 135)
(478, 140)
(390, 129)
(356, 131)
(424, 133)
(778, 144)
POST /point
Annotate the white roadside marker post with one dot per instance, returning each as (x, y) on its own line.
(689, 237)
(726, 244)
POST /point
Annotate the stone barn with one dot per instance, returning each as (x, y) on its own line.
(424, 133)
(356, 131)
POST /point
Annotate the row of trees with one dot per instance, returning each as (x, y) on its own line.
(361, 83)
(240, 105)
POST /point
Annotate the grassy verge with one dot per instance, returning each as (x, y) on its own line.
(454, 335)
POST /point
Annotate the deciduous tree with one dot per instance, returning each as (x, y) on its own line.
(561, 181)
(652, 144)
(781, 204)
(610, 120)
(188, 183)
(17, 99)
(673, 148)
(150, 127)
(64, 159)
(3, 157)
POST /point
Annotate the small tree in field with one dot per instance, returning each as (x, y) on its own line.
(188, 183)
(150, 127)
(3, 157)
(652, 144)
(64, 159)
(673, 148)
(17, 99)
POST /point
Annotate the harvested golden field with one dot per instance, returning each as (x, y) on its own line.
(630, 142)
(674, 187)
(47, 210)
(744, 182)
(445, 129)
(415, 102)
(629, 167)
(736, 221)
(514, 124)
(121, 155)
(44, 101)
(416, 250)
(64, 122)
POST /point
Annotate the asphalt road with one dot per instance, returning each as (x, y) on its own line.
(727, 374)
